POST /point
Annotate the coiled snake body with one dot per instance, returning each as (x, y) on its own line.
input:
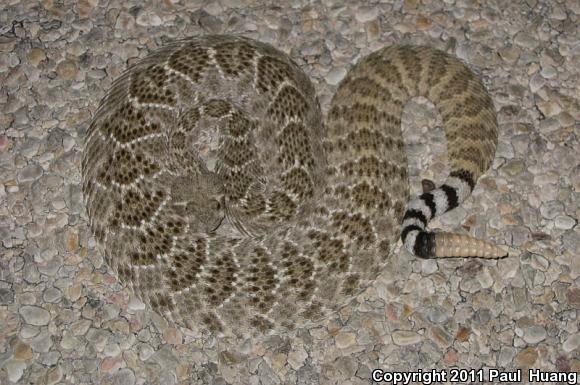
(225, 202)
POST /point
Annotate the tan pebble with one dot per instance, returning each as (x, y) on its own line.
(369, 324)
(182, 371)
(406, 337)
(527, 357)
(345, 312)
(565, 119)
(345, 339)
(118, 298)
(423, 23)
(74, 259)
(54, 375)
(296, 358)
(365, 14)
(373, 29)
(279, 361)
(258, 350)
(410, 4)
(391, 312)
(513, 167)
(510, 54)
(545, 298)
(505, 208)
(229, 358)
(480, 24)
(84, 8)
(66, 69)
(112, 364)
(72, 241)
(22, 351)
(121, 326)
(333, 328)
(573, 296)
(462, 334)
(97, 278)
(74, 292)
(172, 336)
(36, 55)
(533, 68)
(510, 219)
(440, 336)
(450, 357)
(549, 107)
(76, 49)
(7, 45)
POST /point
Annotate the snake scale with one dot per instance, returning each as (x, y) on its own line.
(226, 202)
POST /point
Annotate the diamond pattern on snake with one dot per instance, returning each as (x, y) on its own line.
(221, 196)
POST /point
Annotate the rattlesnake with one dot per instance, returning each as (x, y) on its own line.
(225, 202)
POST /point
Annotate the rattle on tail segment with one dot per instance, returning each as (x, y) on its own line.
(426, 244)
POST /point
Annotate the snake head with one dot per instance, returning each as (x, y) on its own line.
(200, 198)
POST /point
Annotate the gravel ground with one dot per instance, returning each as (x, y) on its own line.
(64, 317)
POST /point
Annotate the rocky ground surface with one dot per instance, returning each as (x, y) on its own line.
(64, 317)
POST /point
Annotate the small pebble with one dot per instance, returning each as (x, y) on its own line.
(564, 222)
(36, 56)
(54, 375)
(437, 314)
(148, 18)
(335, 76)
(112, 364)
(22, 351)
(345, 339)
(6, 296)
(145, 351)
(66, 69)
(527, 357)
(69, 342)
(296, 358)
(172, 336)
(406, 337)
(534, 334)
(35, 315)
(52, 295)
(428, 266)
(124, 376)
(14, 369)
(30, 173)
(549, 72)
(573, 296)
(365, 13)
(572, 343)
